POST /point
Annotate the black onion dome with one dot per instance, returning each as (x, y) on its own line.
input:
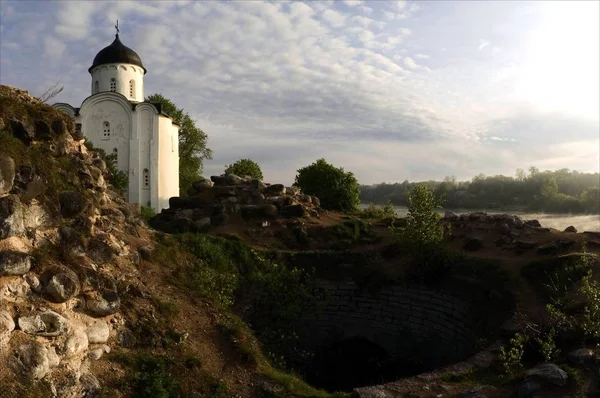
(117, 52)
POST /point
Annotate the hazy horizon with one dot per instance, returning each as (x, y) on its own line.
(390, 90)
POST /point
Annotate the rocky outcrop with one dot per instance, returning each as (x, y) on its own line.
(212, 202)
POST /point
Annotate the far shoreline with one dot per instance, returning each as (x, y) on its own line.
(559, 221)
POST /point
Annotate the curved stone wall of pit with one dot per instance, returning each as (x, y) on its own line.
(407, 321)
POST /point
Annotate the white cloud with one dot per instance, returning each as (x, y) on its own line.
(74, 19)
(422, 56)
(334, 18)
(366, 10)
(410, 63)
(353, 3)
(53, 48)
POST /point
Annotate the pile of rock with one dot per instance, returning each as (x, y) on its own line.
(513, 232)
(58, 309)
(212, 203)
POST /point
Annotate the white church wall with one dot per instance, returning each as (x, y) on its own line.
(123, 74)
(168, 172)
(147, 171)
(106, 122)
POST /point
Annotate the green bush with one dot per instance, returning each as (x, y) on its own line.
(245, 167)
(335, 188)
(512, 358)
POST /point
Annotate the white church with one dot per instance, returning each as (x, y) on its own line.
(116, 118)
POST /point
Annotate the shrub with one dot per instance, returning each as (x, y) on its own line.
(245, 167)
(512, 358)
(585, 325)
(385, 212)
(336, 188)
(147, 213)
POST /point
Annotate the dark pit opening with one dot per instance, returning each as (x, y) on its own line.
(348, 363)
(360, 338)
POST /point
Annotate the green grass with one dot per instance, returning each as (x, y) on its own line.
(249, 348)
(163, 376)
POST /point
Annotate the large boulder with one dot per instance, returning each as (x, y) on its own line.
(227, 179)
(274, 190)
(102, 304)
(533, 224)
(7, 173)
(60, 285)
(257, 184)
(201, 225)
(15, 263)
(11, 217)
(47, 324)
(7, 324)
(72, 203)
(293, 211)
(581, 356)
(98, 332)
(99, 251)
(176, 202)
(76, 344)
(550, 373)
(202, 185)
(31, 360)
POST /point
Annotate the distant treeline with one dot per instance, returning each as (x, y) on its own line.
(561, 191)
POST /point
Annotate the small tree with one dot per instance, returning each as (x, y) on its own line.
(423, 226)
(336, 188)
(245, 167)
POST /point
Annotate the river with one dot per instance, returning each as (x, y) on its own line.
(557, 221)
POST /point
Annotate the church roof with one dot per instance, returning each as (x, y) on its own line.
(117, 52)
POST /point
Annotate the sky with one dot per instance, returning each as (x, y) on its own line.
(389, 90)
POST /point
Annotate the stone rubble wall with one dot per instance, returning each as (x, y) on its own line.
(211, 202)
(60, 255)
